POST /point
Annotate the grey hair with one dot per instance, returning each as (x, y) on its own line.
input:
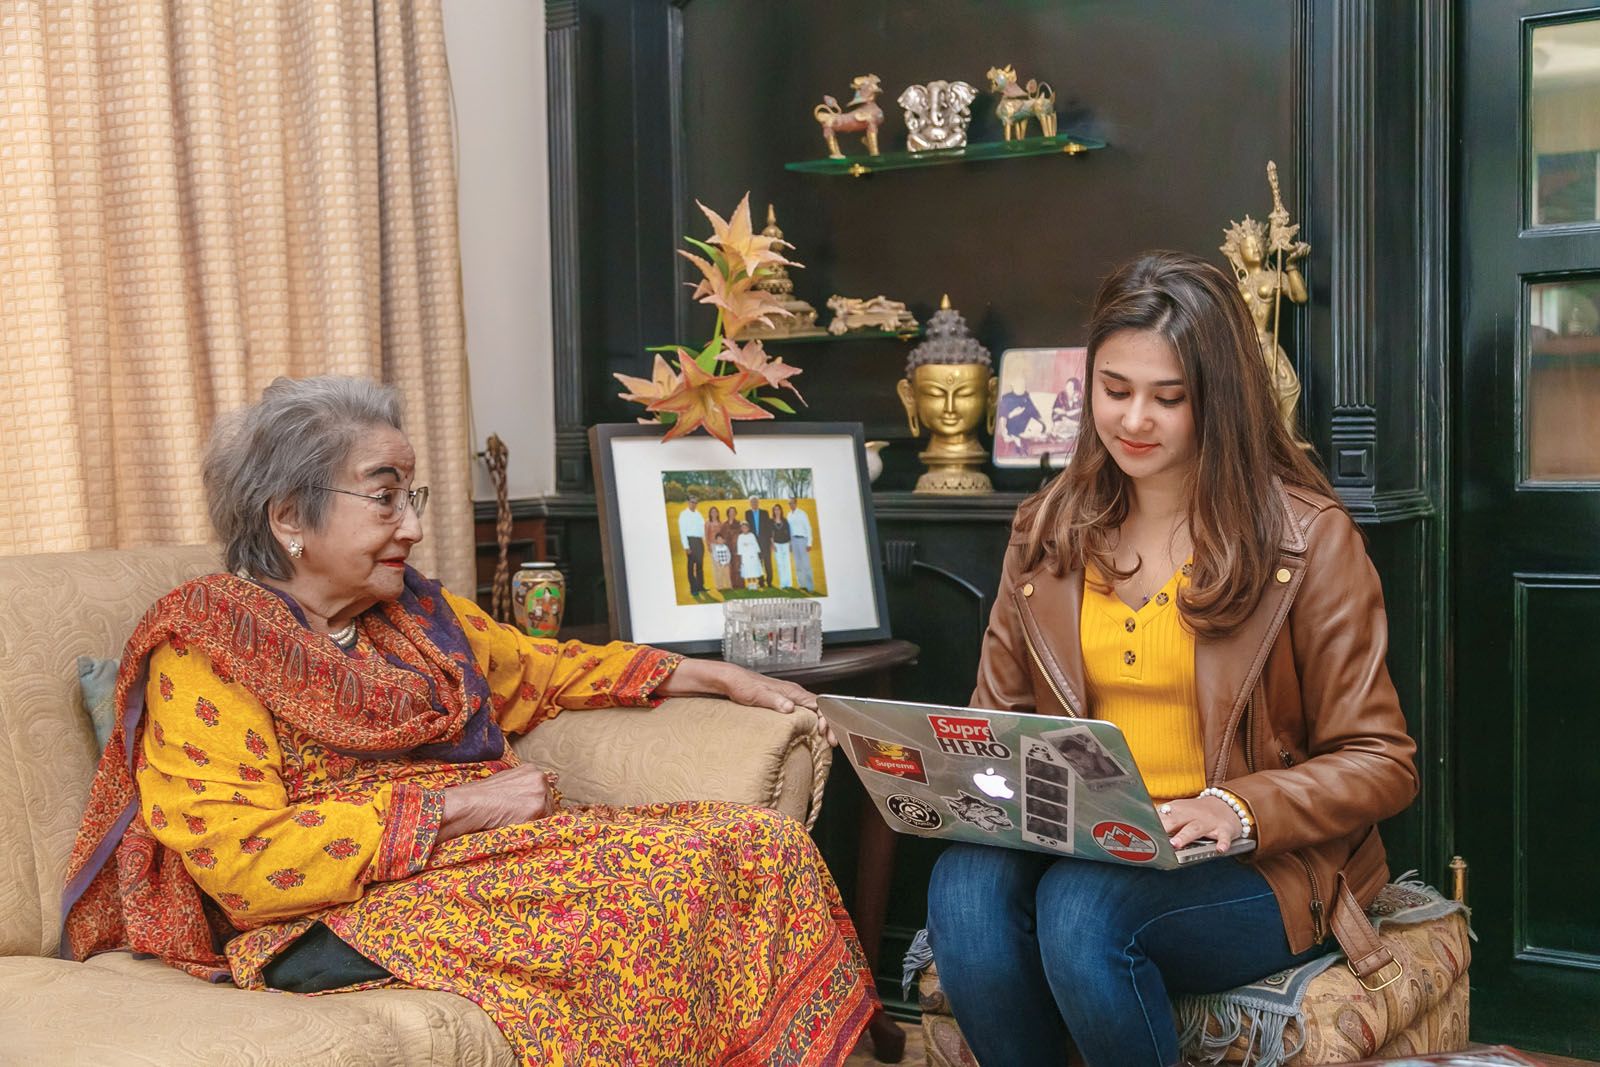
(295, 438)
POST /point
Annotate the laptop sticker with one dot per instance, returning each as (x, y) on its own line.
(914, 812)
(1084, 753)
(887, 757)
(1124, 842)
(1048, 800)
(961, 736)
(985, 815)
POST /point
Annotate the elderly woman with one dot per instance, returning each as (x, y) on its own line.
(309, 788)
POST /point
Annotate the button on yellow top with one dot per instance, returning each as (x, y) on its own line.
(1139, 673)
(1282, 575)
(1027, 589)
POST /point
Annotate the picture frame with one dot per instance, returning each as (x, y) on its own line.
(1039, 413)
(642, 490)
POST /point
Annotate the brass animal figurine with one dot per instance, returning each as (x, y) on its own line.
(861, 116)
(878, 312)
(1020, 103)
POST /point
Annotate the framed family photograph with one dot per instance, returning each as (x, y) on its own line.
(1040, 409)
(686, 525)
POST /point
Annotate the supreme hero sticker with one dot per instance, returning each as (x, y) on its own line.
(887, 757)
(962, 736)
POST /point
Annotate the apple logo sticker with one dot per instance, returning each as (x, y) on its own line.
(992, 784)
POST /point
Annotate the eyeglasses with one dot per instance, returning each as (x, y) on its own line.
(391, 503)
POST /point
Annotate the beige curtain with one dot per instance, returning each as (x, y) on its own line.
(198, 196)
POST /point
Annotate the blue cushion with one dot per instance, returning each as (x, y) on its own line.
(97, 681)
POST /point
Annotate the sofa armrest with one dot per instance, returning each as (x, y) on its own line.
(689, 748)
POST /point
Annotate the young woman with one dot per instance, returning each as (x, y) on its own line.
(721, 554)
(782, 560)
(1191, 577)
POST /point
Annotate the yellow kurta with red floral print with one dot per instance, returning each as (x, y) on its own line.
(695, 933)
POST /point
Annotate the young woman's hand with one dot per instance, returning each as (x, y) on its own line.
(696, 676)
(521, 794)
(1187, 821)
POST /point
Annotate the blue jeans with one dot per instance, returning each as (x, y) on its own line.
(1031, 948)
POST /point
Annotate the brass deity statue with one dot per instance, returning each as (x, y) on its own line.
(950, 387)
(1266, 260)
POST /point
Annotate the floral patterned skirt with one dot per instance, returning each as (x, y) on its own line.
(696, 934)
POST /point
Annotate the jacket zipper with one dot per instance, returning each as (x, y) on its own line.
(1249, 735)
(1317, 927)
(1061, 698)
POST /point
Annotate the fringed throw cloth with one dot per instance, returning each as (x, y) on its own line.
(1319, 1013)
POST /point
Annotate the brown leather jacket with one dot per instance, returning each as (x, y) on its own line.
(1297, 711)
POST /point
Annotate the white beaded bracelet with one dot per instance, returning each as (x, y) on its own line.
(1245, 822)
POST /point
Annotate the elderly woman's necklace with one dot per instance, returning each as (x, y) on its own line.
(345, 638)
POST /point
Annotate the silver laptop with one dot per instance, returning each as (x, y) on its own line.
(1038, 782)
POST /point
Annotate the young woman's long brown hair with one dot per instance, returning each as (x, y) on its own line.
(1235, 516)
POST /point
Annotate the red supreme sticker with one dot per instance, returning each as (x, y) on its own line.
(886, 757)
(1124, 842)
(961, 735)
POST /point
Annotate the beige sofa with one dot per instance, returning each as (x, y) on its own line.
(114, 1009)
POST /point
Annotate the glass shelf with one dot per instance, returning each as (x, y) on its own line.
(859, 166)
(848, 335)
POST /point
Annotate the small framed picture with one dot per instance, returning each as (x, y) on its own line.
(687, 525)
(1041, 406)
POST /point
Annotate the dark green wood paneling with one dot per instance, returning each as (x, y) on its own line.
(1557, 623)
(1523, 662)
(1399, 552)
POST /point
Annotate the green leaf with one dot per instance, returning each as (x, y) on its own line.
(717, 258)
(707, 358)
(775, 402)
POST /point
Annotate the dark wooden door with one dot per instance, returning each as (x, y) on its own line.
(1526, 518)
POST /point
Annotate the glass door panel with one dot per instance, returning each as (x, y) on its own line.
(1562, 399)
(1564, 122)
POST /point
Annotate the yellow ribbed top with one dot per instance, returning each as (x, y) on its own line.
(1139, 671)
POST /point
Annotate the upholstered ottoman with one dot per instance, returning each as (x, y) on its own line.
(1316, 1014)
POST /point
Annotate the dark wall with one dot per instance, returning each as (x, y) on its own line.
(1018, 244)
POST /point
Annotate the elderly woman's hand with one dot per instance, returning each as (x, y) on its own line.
(742, 686)
(521, 794)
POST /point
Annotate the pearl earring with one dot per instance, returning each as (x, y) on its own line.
(296, 549)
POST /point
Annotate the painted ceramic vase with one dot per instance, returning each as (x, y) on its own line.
(538, 596)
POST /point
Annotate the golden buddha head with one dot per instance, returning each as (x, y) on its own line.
(951, 399)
